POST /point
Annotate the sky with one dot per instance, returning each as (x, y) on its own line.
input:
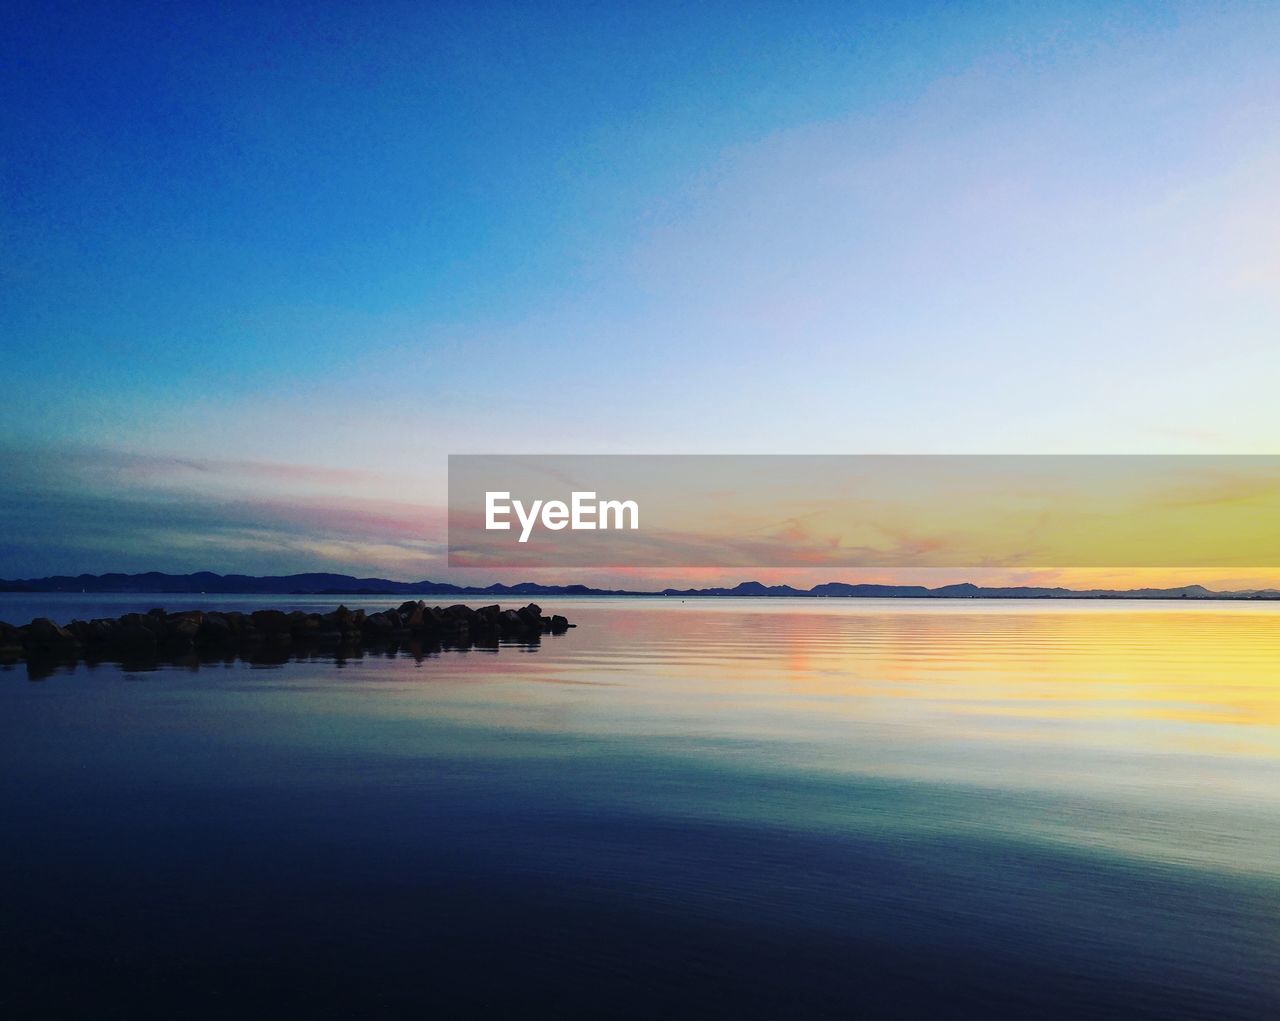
(265, 266)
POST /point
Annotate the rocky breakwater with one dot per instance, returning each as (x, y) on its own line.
(274, 635)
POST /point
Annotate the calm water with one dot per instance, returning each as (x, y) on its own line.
(707, 809)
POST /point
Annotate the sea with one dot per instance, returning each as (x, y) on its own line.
(682, 808)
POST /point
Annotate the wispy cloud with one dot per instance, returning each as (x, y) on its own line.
(85, 509)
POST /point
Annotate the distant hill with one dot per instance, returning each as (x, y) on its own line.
(290, 584)
(344, 584)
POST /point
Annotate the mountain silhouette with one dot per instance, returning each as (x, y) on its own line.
(320, 583)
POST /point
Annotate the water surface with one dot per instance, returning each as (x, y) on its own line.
(711, 808)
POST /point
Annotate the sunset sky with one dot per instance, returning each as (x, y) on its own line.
(262, 275)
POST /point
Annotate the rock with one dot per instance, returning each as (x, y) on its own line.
(215, 629)
(271, 636)
(511, 622)
(385, 623)
(181, 637)
(270, 622)
(183, 627)
(9, 633)
(100, 630)
(134, 637)
(43, 633)
(149, 622)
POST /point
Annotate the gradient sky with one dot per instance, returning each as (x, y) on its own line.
(265, 266)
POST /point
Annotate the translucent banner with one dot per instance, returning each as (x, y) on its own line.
(864, 511)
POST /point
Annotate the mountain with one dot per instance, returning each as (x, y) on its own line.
(205, 582)
(344, 584)
(746, 588)
(841, 588)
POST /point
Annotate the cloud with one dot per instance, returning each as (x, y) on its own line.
(110, 465)
(82, 509)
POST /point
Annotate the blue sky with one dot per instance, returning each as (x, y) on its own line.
(265, 266)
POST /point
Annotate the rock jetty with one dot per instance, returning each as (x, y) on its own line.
(273, 635)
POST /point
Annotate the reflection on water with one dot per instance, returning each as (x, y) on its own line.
(43, 663)
(721, 808)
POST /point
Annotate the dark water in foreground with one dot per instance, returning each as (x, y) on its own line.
(718, 809)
